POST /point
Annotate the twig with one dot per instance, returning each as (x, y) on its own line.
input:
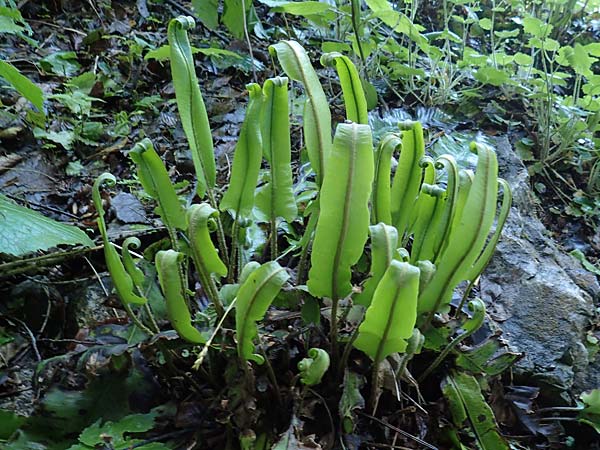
(316, 394)
(247, 35)
(204, 350)
(162, 437)
(49, 208)
(181, 8)
(398, 430)
(271, 374)
(15, 392)
(32, 338)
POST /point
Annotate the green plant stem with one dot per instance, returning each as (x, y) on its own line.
(303, 263)
(274, 250)
(211, 291)
(374, 385)
(271, 374)
(355, 7)
(233, 269)
(152, 318)
(223, 252)
(347, 350)
(334, 331)
(136, 320)
(453, 343)
(464, 298)
(204, 351)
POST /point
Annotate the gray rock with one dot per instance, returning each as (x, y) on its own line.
(128, 208)
(539, 296)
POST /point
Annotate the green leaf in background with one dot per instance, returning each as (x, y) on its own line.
(493, 76)
(489, 358)
(233, 16)
(163, 53)
(253, 299)
(343, 224)
(590, 414)
(9, 423)
(351, 399)
(579, 256)
(23, 231)
(304, 9)
(466, 402)
(391, 317)
(63, 64)
(208, 12)
(22, 84)
(114, 432)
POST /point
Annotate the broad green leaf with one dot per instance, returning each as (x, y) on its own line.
(317, 117)
(489, 358)
(407, 179)
(467, 403)
(351, 399)
(208, 12)
(120, 277)
(23, 231)
(384, 242)
(239, 197)
(536, 27)
(163, 53)
(200, 218)
(9, 423)
(157, 184)
(391, 317)
(170, 276)
(253, 299)
(467, 239)
(307, 8)
(491, 75)
(275, 120)
(352, 90)
(382, 202)
(590, 413)
(62, 63)
(190, 104)
(314, 367)
(587, 265)
(99, 433)
(343, 223)
(233, 16)
(485, 24)
(591, 401)
(22, 84)
(523, 59)
(383, 10)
